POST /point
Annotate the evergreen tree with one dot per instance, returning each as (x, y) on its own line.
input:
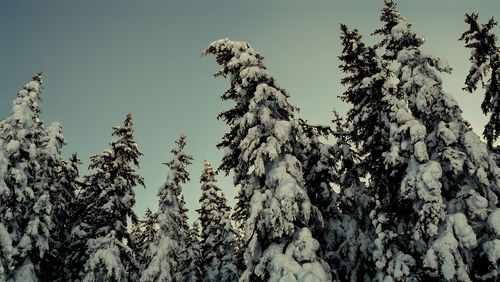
(218, 238)
(165, 255)
(260, 149)
(485, 58)
(347, 244)
(391, 17)
(192, 259)
(63, 206)
(393, 156)
(318, 166)
(100, 238)
(29, 182)
(62, 194)
(143, 232)
(464, 174)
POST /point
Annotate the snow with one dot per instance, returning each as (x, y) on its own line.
(417, 131)
(492, 250)
(285, 266)
(463, 230)
(476, 149)
(55, 139)
(105, 260)
(448, 136)
(420, 151)
(456, 159)
(282, 130)
(400, 30)
(401, 265)
(444, 255)
(494, 221)
(477, 206)
(441, 253)
(13, 146)
(6, 247)
(26, 272)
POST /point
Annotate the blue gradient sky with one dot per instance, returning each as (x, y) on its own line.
(103, 59)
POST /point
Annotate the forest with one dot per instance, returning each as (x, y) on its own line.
(401, 188)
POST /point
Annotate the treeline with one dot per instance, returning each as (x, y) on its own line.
(406, 190)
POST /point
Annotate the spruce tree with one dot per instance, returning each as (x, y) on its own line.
(346, 243)
(485, 59)
(191, 268)
(260, 149)
(28, 183)
(391, 148)
(165, 256)
(100, 238)
(60, 240)
(218, 237)
(62, 194)
(466, 177)
(143, 232)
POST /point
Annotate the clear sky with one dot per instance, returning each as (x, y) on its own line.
(103, 59)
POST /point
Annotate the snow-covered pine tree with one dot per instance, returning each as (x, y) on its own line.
(165, 255)
(260, 149)
(485, 58)
(391, 17)
(64, 204)
(403, 183)
(318, 165)
(347, 245)
(218, 237)
(463, 171)
(143, 232)
(100, 238)
(28, 179)
(62, 195)
(191, 269)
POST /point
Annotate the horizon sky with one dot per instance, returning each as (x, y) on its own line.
(104, 59)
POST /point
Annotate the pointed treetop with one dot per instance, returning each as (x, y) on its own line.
(390, 16)
(38, 77)
(125, 130)
(228, 54)
(396, 31)
(485, 59)
(208, 174)
(482, 40)
(179, 155)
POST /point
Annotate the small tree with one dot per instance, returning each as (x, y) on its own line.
(191, 267)
(166, 254)
(100, 238)
(218, 237)
(143, 232)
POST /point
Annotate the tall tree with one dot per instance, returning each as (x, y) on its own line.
(101, 238)
(28, 183)
(165, 255)
(466, 175)
(260, 149)
(218, 237)
(394, 157)
(485, 58)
